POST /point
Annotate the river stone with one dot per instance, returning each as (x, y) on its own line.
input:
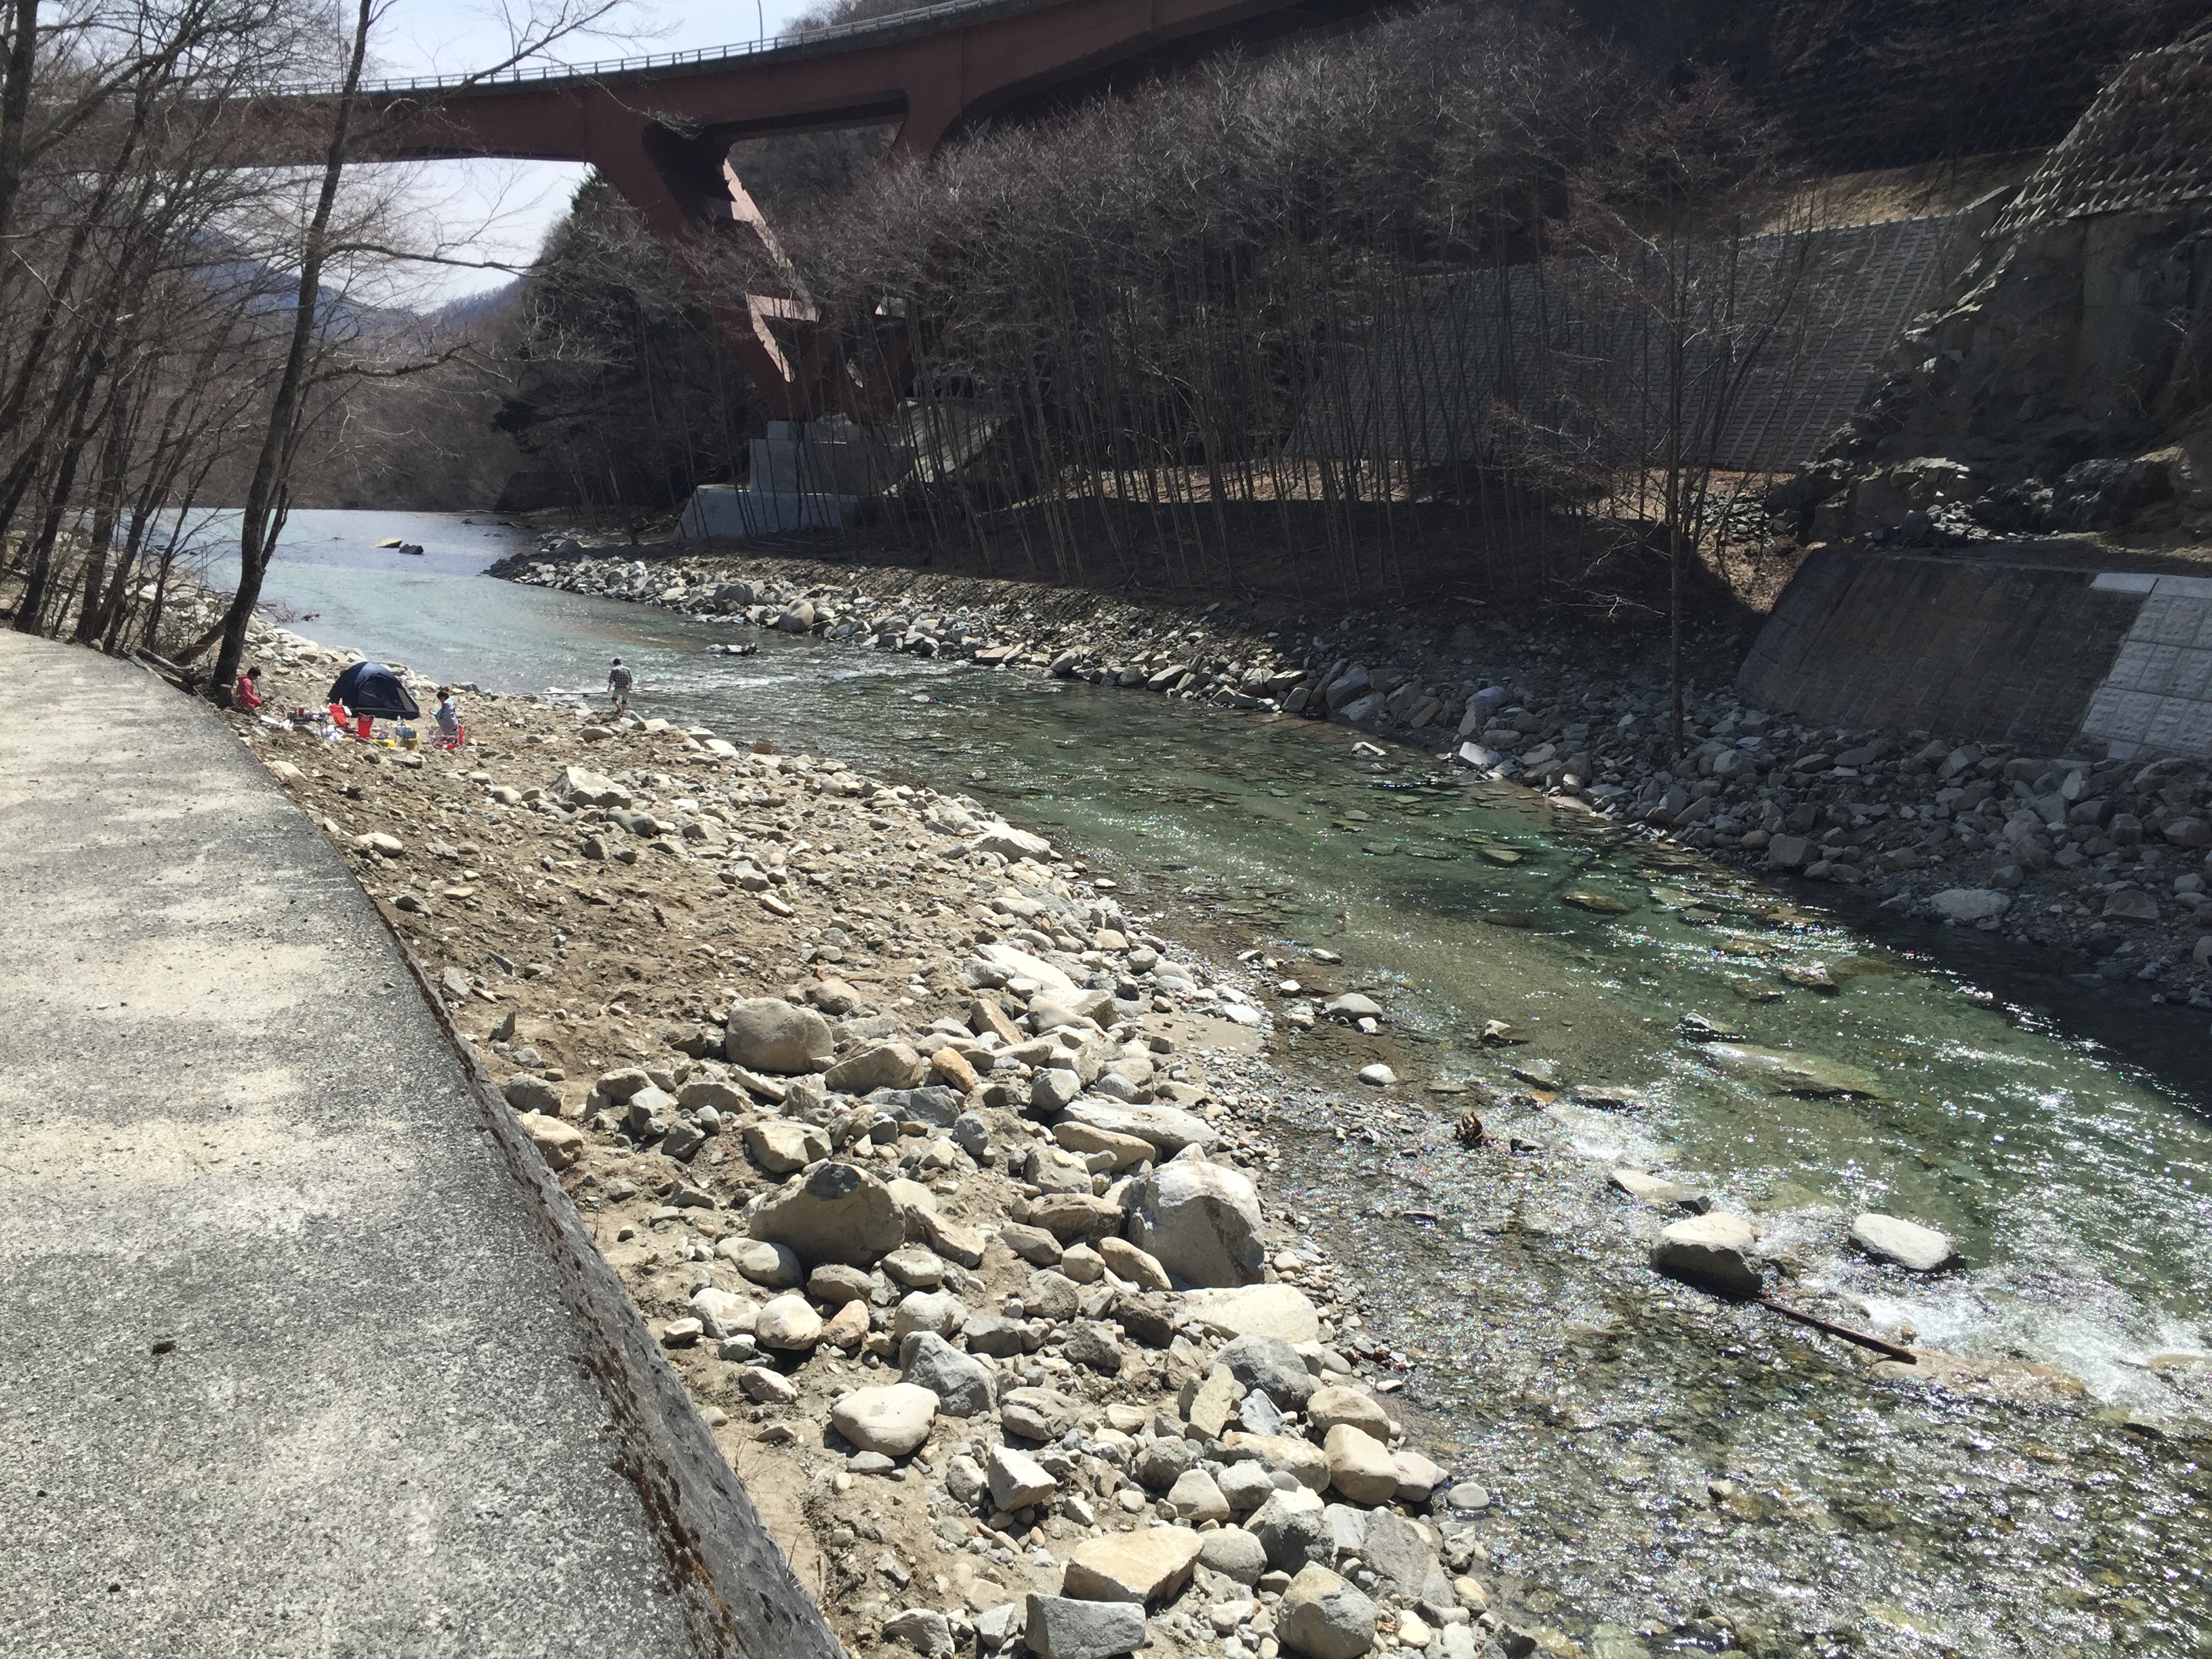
(847, 1327)
(1073, 1216)
(1793, 1073)
(1078, 1136)
(1195, 1498)
(1971, 903)
(772, 1266)
(1054, 1088)
(1907, 1243)
(1019, 1480)
(1398, 1549)
(559, 1144)
(1033, 1244)
(2130, 904)
(788, 1322)
(1245, 1486)
(1337, 1404)
(836, 1284)
(1293, 1530)
(1050, 1295)
(770, 1035)
(928, 1310)
(1065, 1627)
(1016, 963)
(1647, 1188)
(925, 1630)
(1167, 1128)
(1359, 1465)
(1163, 1459)
(580, 786)
(1282, 1453)
(966, 1385)
(1201, 1221)
(837, 1213)
(1278, 1310)
(892, 1420)
(886, 1066)
(1418, 1476)
(782, 1148)
(1716, 1250)
(527, 1093)
(1010, 843)
(1270, 1363)
(1234, 1553)
(1321, 1617)
(1146, 1565)
(1036, 1413)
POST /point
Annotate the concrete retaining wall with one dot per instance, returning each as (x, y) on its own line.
(2033, 654)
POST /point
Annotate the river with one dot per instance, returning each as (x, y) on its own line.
(2061, 1134)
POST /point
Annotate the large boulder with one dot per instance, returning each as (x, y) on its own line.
(770, 1035)
(1201, 1221)
(892, 1420)
(835, 1214)
(1717, 1251)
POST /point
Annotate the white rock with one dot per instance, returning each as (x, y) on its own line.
(1019, 1480)
(1378, 1075)
(1200, 1221)
(788, 1322)
(1717, 1250)
(1907, 1243)
(1971, 903)
(1360, 1466)
(892, 1420)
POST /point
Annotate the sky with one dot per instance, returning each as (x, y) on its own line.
(497, 212)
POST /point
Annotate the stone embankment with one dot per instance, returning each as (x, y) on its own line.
(2107, 857)
(939, 1180)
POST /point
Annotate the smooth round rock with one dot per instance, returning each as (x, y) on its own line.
(892, 1420)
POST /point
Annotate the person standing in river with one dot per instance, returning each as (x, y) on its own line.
(619, 680)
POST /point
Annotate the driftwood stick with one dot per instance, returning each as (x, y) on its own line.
(1864, 1338)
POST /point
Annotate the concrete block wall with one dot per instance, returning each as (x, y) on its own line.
(2036, 654)
(2157, 698)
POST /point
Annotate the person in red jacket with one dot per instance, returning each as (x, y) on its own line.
(248, 695)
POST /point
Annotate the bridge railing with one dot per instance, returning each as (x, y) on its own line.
(788, 40)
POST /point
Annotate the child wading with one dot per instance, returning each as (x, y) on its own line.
(618, 684)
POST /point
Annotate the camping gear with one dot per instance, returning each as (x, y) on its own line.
(370, 688)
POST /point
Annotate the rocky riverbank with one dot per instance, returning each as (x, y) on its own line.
(2109, 859)
(948, 1187)
(933, 1174)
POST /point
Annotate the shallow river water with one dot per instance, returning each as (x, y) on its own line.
(1665, 1472)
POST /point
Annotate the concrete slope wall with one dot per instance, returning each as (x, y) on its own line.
(2010, 654)
(302, 1351)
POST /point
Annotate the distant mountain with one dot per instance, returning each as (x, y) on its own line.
(477, 311)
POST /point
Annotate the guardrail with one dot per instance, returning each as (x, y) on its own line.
(789, 40)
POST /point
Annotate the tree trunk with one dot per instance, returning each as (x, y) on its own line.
(267, 498)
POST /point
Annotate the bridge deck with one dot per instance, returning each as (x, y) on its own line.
(300, 1351)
